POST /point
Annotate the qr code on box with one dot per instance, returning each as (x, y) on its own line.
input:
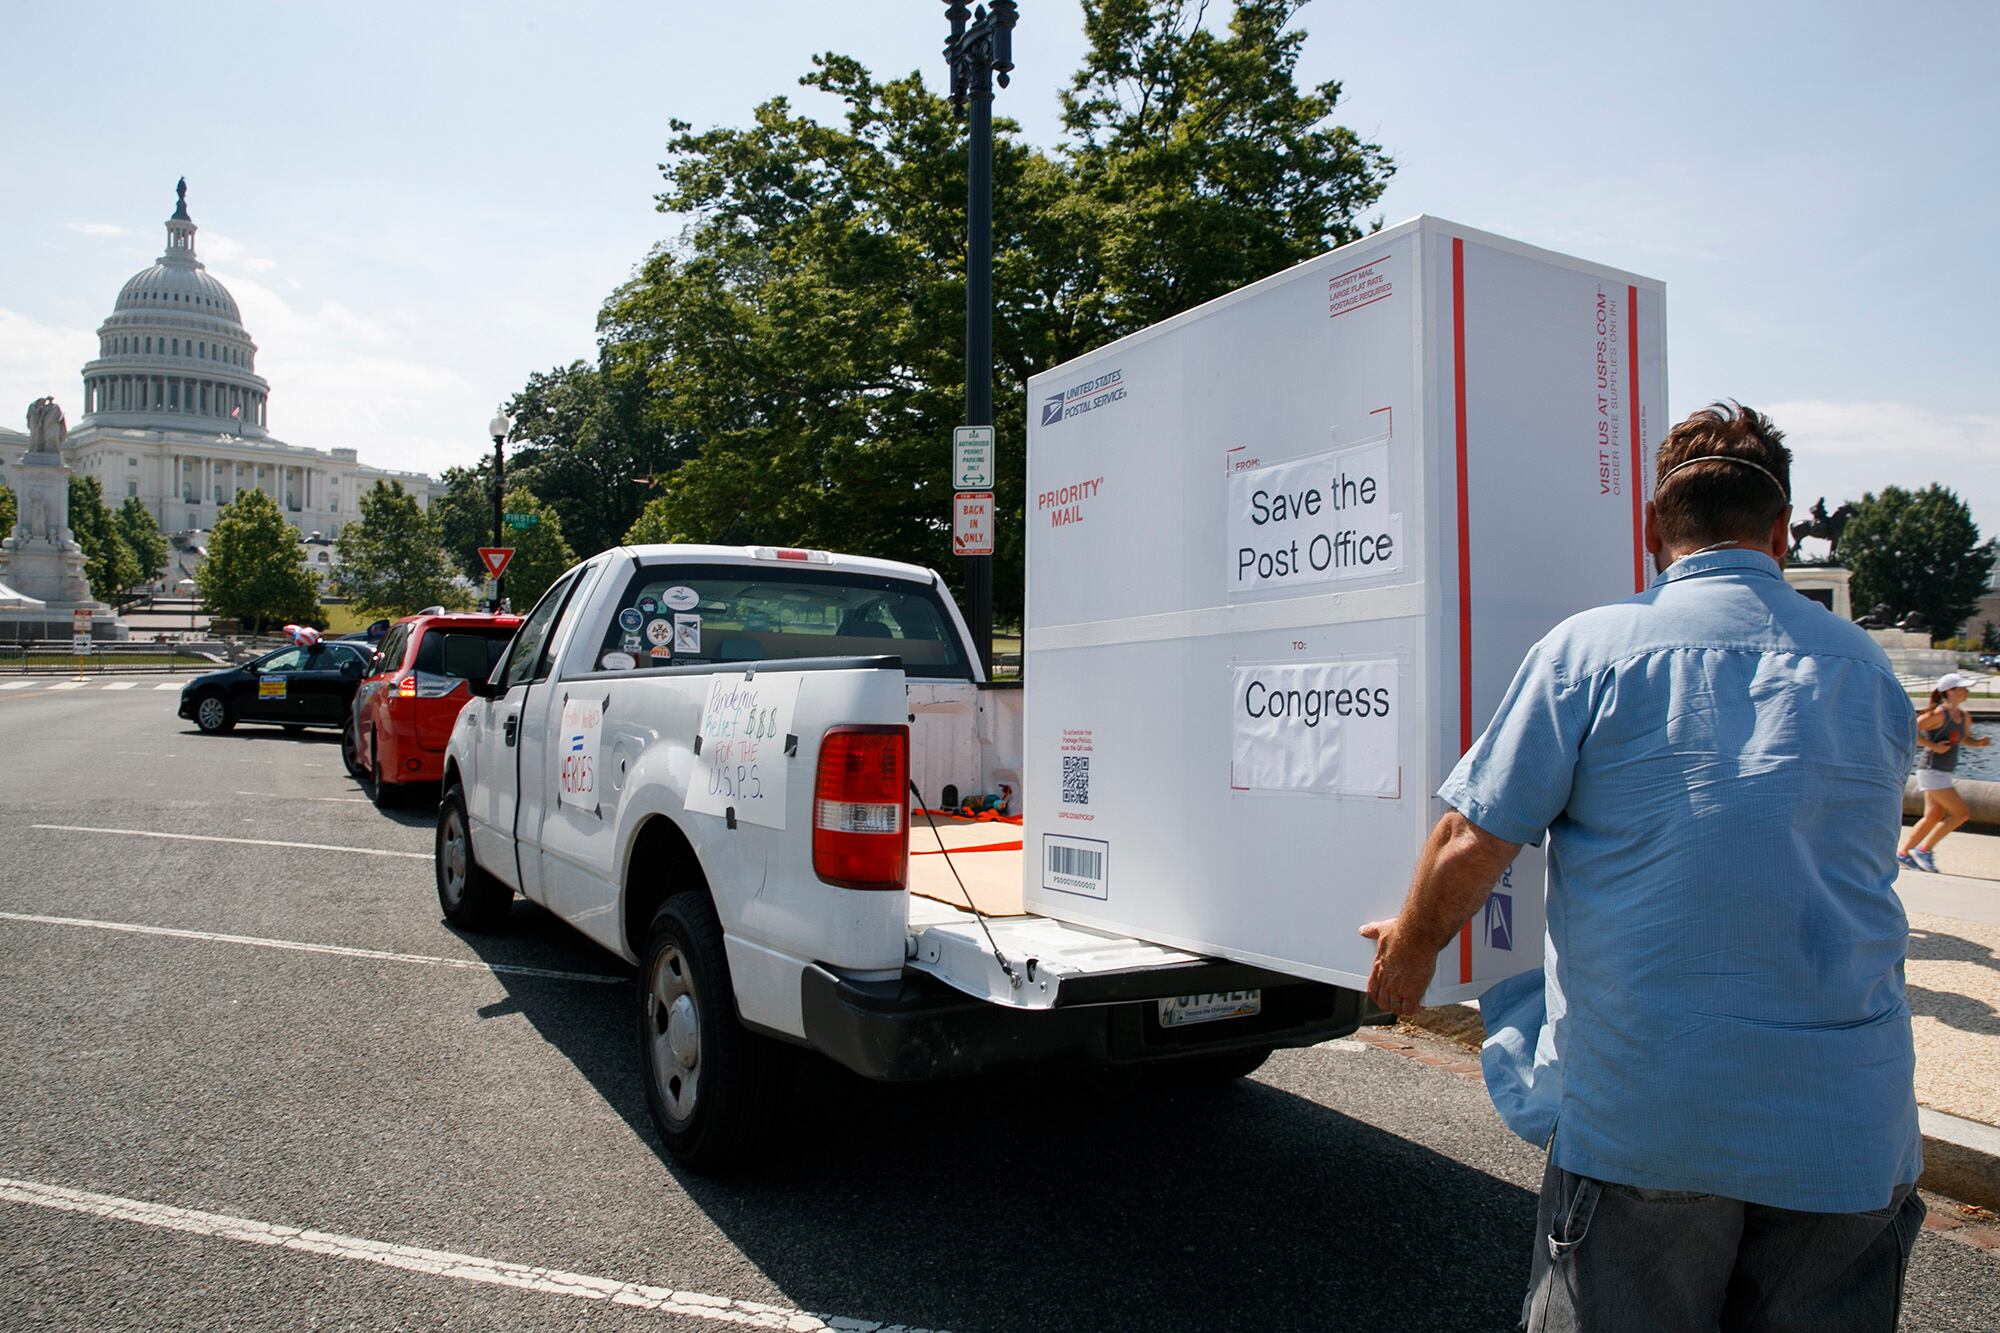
(1076, 779)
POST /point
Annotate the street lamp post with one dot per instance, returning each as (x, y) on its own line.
(980, 52)
(499, 428)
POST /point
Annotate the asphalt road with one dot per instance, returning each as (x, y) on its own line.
(388, 1127)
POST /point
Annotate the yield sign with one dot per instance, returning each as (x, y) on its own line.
(495, 559)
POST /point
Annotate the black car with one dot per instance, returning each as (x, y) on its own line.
(300, 686)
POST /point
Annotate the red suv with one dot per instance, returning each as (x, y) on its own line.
(405, 707)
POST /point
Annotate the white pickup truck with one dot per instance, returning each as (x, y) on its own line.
(703, 758)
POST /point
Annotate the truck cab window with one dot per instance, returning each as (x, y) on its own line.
(525, 654)
(699, 615)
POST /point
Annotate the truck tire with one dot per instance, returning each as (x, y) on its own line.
(471, 898)
(1213, 1071)
(710, 1083)
(213, 714)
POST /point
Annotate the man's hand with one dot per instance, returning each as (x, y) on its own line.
(1402, 973)
(1459, 866)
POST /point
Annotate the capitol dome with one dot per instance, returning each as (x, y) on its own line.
(174, 354)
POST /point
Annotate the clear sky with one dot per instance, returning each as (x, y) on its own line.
(418, 204)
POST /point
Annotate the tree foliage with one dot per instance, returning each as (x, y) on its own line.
(108, 562)
(9, 513)
(253, 572)
(1918, 551)
(794, 363)
(463, 508)
(540, 553)
(134, 523)
(392, 560)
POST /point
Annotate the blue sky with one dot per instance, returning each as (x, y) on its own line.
(418, 204)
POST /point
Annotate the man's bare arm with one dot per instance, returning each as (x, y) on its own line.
(1460, 864)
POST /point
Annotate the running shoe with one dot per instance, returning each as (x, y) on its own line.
(1924, 861)
(1905, 859)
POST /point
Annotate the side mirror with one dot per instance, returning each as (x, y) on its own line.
(484, 689)
(351, 669)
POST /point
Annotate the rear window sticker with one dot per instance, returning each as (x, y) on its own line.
(680, 597)
(633, 643)
(631, 620)
(662, 651)
(687, 633)
(649, 605)
(617, 662)
(271, 687)
(660, 631)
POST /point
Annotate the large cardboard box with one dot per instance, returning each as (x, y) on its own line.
(1284, 554)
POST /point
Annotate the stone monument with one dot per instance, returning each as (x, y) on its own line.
(41, 560)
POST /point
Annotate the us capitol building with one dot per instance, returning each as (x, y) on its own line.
(175, 413)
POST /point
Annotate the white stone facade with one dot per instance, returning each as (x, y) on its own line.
(175, 414)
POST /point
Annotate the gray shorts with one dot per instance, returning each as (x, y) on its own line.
(1935, 779)
(1617, 1257)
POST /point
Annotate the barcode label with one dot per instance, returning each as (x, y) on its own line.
(1076, 779)
(1075, 865)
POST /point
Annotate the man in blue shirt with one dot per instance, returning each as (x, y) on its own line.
(1717, 1051)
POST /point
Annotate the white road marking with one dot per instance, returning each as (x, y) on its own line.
(300, 946)
(434, 1263)
(122, 685)
(340, 800)
(20, 685)
(170, 685)
(246, 842)
(69, 684)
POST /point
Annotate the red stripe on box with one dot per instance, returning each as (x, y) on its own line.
(1464, 547)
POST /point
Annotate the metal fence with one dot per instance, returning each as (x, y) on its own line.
(60, 656)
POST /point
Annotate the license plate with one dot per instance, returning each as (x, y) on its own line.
(1185, 1009)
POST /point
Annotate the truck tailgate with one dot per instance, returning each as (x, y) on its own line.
(1057, 965)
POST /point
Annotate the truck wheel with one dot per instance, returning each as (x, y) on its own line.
(212, 715)
(1211, 1071)
(709, 1083)
(471, 898)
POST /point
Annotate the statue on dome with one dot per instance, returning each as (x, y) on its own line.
(181, 198)
(46, 427)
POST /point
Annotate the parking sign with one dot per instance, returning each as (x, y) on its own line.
(972, 458)
(972, 523)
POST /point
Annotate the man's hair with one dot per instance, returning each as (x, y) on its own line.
(1700, 503)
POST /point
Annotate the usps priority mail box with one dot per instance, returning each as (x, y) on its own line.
(1285, 552)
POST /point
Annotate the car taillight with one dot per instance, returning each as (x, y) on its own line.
(406, 688)
(861, 833)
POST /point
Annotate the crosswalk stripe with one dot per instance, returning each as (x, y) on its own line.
(122, 685)
(170, 685)
(69, 685)
(20, 685)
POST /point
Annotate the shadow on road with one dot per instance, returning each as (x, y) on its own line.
(1026, 1200)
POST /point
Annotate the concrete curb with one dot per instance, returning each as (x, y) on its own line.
(1961, 1157)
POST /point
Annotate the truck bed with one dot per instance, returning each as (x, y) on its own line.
(987, 856)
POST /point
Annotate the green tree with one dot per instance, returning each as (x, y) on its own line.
(540, 553)
(591, 441)
(463, 508)
(108, 563)
(1918, 551)
(254, 572)
(9, 513)
(392, 559)
(135, 524)
(802, 344)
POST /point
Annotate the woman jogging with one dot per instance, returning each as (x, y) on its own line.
(1941, 730)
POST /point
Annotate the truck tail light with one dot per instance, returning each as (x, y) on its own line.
(861, 831)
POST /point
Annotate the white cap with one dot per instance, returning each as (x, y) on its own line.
(1954, 680)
